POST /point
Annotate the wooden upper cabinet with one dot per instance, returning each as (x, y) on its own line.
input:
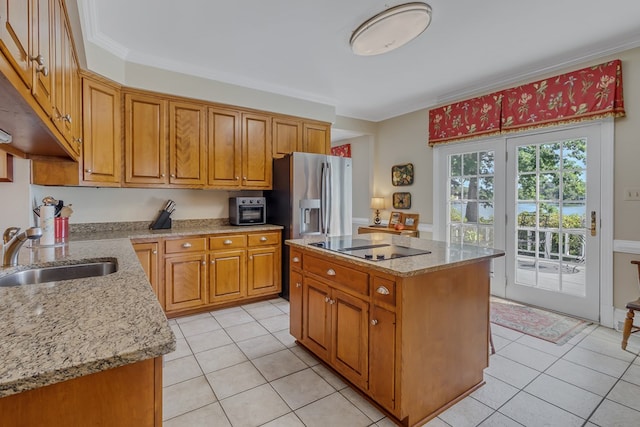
(256, 150)
(224, 148)
(287, 136)
(15, 35)
(145, 139)
(316, 138)
(102, 133)
(187, 143)
(42, 50)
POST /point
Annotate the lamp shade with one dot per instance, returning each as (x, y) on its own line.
(391, 29)
(377, 203)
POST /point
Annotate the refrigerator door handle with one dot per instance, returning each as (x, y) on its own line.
(329, 202)
(323, 199)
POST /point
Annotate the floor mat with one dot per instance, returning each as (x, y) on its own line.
(552, 327)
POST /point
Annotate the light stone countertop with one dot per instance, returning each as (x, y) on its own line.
(442, 256)
(56, 331)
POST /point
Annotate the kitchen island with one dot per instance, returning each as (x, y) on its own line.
(84, 350)
(411, 333)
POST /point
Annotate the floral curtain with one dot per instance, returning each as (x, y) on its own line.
(586, 94)
(341, 150)
(465, 120)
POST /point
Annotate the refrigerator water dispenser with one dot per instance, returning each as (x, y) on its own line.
(310, 216)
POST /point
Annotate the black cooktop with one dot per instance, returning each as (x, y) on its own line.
(367, 249)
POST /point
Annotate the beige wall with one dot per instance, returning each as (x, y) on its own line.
(16, 197)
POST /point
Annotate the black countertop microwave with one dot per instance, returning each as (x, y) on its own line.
(247, 210)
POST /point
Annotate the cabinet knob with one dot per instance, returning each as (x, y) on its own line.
(204, 263)
(296, 259)
(161, 175)
(374, 322)
(173, 175)
(66, 118)
(78, 140)
(327, 299)
(251, 257)
(237, 178)
(263, 239)
(244, 177)
(213, 261)
(331, 272)
(228, 242)
(186, 245)
(88, 171)
(42, 69)
(298, 284)
(382, 290)
(154, 252)
(38, 59)
(332, 301)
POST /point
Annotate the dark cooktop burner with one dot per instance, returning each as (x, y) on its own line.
(365, 249)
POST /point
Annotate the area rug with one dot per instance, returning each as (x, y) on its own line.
(538, 323)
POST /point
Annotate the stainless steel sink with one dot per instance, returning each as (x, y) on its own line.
(59, 272)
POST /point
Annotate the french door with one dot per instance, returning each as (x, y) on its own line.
(553, 199)
(536, 197)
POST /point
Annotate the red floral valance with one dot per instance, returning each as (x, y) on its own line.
(467, 119)
(586, 94)
(589, 93)
(341, 150)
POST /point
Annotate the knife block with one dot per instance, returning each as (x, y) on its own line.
(162, 222)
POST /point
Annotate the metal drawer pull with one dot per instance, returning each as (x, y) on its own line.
(186, 245)
(374, 322)
(296, 259)
(327, 299)
(331, 272)
(332, 301)
(382, 290)
(228, 242)
(263, 239)
(298, 284)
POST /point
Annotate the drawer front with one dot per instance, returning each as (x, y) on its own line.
(228, 242)
(184, 245)
(383, 291)
(261, 239)
(345, 276)
(295, 259)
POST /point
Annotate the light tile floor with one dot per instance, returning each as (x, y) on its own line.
(240, 367)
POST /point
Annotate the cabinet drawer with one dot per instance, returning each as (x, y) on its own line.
(228, 242)
(383, 291)
(345, 276)
(187, 244)
(295, 259)
(261, 239)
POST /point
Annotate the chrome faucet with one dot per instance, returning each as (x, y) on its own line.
(12, 242)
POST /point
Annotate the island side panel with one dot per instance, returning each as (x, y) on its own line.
(444, 337)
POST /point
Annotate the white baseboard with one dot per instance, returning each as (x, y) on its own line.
(627, 246)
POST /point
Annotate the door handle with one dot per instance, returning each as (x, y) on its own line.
(593, 223)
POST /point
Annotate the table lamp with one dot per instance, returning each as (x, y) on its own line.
(377, 203)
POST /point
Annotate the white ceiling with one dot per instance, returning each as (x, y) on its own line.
(300, 48)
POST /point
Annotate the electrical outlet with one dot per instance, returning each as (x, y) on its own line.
(632, 193)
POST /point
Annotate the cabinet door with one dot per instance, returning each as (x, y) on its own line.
(263, 270)
(287, 136)
(224, 148)
(227, 280)
(15, 33)
(75, 100)
(58, 64)
(350, 329)
(316, 315)
(145, 139)
(316, 138)
(102, 139)
(295, 304)
(256, 151)
(184, 278)
(41, 50)
(382, 360)
(148, 257)
(187, 143)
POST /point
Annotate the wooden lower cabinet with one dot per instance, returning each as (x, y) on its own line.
(202, 272)
(130, 395)
(148, 256)
(414, 344)
(185, 281)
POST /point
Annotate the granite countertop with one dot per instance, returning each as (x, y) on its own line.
(442, 256)
(56, 331)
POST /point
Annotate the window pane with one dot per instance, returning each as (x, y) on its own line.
(574, 185)
(574, 215)
(550, 157)
(456, 165)
(549, 186)
(470, 189)
(455, 212)
(527, 159)
(455, 234)
(470, 164)
(526, 214)
(574, 154)
(486, 213)
(485, 192)
(470, 234)
(485, 236)
(456, 189)
(471, 213)
(526, 187)
(487, 166)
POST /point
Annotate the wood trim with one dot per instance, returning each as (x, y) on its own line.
(6, 166)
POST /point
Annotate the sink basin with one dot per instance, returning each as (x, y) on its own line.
(59, 272)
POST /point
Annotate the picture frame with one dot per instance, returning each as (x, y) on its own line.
(395, 218)
(402, 174)
(410, 221)
(401, 200)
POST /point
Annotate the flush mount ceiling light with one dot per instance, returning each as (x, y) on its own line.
(391, 29)
(5, 138)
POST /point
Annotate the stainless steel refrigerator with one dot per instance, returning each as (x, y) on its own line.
(311, 195)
